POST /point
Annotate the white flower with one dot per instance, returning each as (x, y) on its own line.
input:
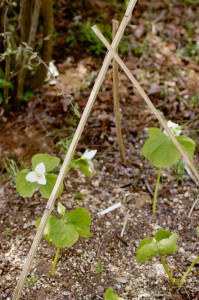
(38, 175)
(88, 155)
(175, 128)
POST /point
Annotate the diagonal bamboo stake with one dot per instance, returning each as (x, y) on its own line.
(116, 101)
(64, 168)
(146, 99)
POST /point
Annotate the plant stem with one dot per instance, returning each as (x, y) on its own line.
(188, 270)
(166, 270)
(55, 261)
(156, 190)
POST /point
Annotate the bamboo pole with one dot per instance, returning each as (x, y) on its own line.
(73, 145)
(147, 100)
(116, 101)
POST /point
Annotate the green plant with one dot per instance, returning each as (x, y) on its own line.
(31, 281)
(65, 232)
(110, 295)
(99, 267)
(162, 153)
(163, 243)
(28, 182)
(11, 167)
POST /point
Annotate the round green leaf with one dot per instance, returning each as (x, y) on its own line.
(49, 161)
(46, 189)
(24, 187)
(168, 245)
(59, 233)
(159, 149)
(146, 250)
(80, 219)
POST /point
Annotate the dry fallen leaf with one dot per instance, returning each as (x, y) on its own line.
(141, 200)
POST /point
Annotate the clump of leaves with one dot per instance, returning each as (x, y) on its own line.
(163, 243)
(28, 181)
(39, 178)
(162, 153)
(65, 231)
(110, 295)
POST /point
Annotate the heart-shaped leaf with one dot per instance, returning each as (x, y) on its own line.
(49, 161)
(164, 242)
(159, 149)
(59, 233)
(80, 219)
(24, 187)
(46, 190)
(146, 250)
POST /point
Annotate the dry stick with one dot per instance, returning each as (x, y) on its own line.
(115, 25)
(62, 173)
(31, 38)
(147, 100)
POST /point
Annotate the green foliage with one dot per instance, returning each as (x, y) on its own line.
(139, 49)
(11, 167)
(82, 34)
(41, 179)
(110, 295)
(65, 232)
(31, 281)
(99, 267)
(160, 150)
(164, 242)
(84, 163)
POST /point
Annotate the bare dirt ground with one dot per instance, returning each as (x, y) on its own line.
(170, 77)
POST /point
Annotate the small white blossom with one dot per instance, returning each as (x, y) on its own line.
(38, 175)
(88, 155)
(175, 128)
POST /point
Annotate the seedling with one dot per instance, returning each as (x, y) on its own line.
(65, 232)
(162, 153)
(99, 267)
(110, 295)
(164, 242)
(31, 281)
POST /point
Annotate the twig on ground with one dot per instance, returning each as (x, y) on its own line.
(125, 223)
(193, 206)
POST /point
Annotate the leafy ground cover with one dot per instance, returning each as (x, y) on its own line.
(162, 54)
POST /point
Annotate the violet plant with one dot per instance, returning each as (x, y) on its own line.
(163, 243)
(39, 178)
(162, 153)
(65, 231)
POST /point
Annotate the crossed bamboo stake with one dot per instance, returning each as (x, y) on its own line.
(100, 78)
